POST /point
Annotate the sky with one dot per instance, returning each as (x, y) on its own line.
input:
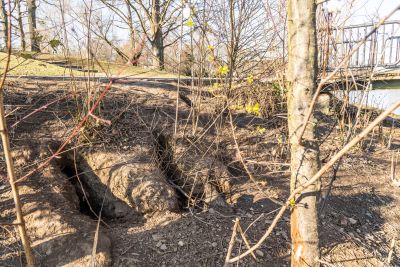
(350, 11)
(363, 11)
(376, 9)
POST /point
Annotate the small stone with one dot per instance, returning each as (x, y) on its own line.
(180, 243)
(352, 221)
(344, 221)
(259, 253)
(163, 247)
(214, 244)
(341, 229)
(159, 243)
(285, 236)
(358, 231)
(211, 210)
(157, 237)
(370, 237)
(49, 251)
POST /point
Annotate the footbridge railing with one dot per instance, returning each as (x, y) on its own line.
(382, 48)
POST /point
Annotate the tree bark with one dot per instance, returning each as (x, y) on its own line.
(35, 47)
(302, 76)
(135, 52)
(156, 31)
(129, 21)
(21, 26)
(4, 26)
(62, 7)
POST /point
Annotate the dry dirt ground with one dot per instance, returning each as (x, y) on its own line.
(168, 201)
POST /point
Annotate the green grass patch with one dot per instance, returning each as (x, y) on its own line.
(34, 64)
(25, 66)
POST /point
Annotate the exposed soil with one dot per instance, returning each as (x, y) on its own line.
(170, 201)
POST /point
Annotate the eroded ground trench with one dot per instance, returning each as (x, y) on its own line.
(145, 180)
(147, 173)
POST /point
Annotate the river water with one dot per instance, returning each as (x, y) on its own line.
(376, 98)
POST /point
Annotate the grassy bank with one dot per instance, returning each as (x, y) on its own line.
(36, 65)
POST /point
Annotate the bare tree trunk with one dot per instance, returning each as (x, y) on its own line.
(156, 31)
(32, 25)
(64, 26)
(4, 26)
(304, 155)
(21, 26)
(135, 52)
(130, 25)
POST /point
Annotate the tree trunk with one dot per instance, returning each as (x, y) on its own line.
(64, 26)
(157, 34)
(21, 26)
(135, 52)
(305, 154)
(4, 26)
(32, 25)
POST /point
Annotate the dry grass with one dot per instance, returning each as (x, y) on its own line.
(23, 66)
(110, 68)
(34, 65)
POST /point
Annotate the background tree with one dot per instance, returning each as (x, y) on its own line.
(157, 19)
(123, 11)
(34, 36)
(20, 25)
(4, 26)
(62, 5)
(302, 75)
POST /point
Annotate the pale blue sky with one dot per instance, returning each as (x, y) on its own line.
(351, 11)
(372, 10)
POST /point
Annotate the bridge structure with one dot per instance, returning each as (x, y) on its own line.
(380, 52)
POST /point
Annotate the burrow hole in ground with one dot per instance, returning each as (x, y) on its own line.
(87, 203)
(173, 175)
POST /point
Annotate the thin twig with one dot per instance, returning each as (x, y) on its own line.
(245, 240)
(231, 242)
(178, 86)
(252, 178)
(325, 263)
(389, 258)
(393, 169)
(37, 110)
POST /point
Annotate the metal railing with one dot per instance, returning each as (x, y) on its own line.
(381, 49)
